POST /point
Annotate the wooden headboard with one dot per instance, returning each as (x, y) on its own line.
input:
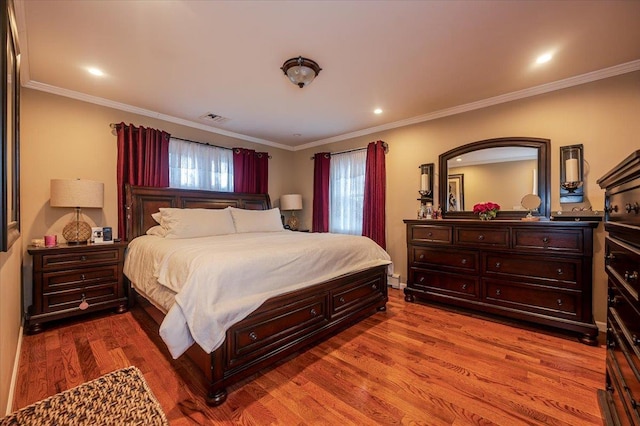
(143, 201)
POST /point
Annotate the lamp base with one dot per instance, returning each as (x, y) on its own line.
(77, 232)
(292, 222)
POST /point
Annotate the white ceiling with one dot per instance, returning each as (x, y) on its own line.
(417, 60)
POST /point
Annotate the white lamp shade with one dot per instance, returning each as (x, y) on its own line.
(76, 193)
(291, 202)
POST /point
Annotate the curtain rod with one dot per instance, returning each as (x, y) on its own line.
(114, 125)
(384, 144)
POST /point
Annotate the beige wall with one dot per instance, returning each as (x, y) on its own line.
(603, 116)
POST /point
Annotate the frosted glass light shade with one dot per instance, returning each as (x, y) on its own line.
(77, 193)
(291, 202)
(301, 71)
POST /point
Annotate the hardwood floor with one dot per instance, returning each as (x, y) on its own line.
(410, 364)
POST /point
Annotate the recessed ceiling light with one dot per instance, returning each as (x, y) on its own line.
(297, 135)
(377, 111)
(95, 71)
(544, 58)
(459, 159)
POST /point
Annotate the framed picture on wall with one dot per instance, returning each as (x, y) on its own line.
(9, 129)
(456, 193)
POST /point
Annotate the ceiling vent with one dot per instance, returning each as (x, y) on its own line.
(214, 118)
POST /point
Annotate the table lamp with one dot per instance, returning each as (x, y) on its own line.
(291, 202)
(77, 193)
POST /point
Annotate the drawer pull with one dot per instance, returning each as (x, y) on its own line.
(545, 240)
(341, 300)
(611, 209)
(374, 286)
(610, 256)
(83, 303)
(253, 336)
(633, 276)
(421, 257)
(635, 208)
(83, 258)
(635, 340)
(498, 265)
(613, 301)
(481, 237)
(559, 302)
(464, 286)
(430, 234)
(82, 277)
(559, 271)
(498, 292)
(313, 312)
(464, 261)
(421, 279)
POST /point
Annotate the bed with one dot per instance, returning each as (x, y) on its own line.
(283, 324)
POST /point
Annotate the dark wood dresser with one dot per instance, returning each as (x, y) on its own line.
(66, 275)
(539, 272)
(620, 403)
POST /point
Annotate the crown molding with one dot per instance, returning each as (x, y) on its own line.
(484, 103)
(147, 113)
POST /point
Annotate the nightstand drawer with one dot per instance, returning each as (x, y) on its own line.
(69, 299)
(79, 258)
(78, 278)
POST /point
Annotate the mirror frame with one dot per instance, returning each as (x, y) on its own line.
(544, 174)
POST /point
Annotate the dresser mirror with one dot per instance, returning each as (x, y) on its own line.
(500, 170)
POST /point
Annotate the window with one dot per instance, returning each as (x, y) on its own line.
(197, 166)
(346, 192)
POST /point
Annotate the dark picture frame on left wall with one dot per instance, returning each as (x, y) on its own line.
(9, 129)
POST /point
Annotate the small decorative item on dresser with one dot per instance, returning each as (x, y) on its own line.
(486, 211)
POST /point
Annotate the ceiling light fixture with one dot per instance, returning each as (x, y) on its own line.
(377, 111)
(301, 71)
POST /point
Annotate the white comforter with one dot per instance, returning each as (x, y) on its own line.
(220, 280)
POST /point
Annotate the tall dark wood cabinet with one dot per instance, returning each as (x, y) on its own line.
(620, 403)
(539, 272)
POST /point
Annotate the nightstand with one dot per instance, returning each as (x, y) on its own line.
(67, 275)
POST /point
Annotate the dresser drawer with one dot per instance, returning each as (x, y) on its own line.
(69, 299)
(569, 240)
(454, 260)
(483, 237)
(624, 203)
(79, 258)
(460, 285)
(263, 333)
(78, 278)
(623, 323)
(533, 298)
(623, 266)
(430, 233)
(564, 272)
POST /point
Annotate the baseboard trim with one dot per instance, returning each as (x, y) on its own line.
(14, 375)
(602, 326)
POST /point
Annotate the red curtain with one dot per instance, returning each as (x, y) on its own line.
(250, 171)
(373, 219)
(143, 159)
(321, 163)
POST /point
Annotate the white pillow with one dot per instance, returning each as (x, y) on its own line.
(157, 216)
(257, 220)
(193, 223)
(157, 230)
